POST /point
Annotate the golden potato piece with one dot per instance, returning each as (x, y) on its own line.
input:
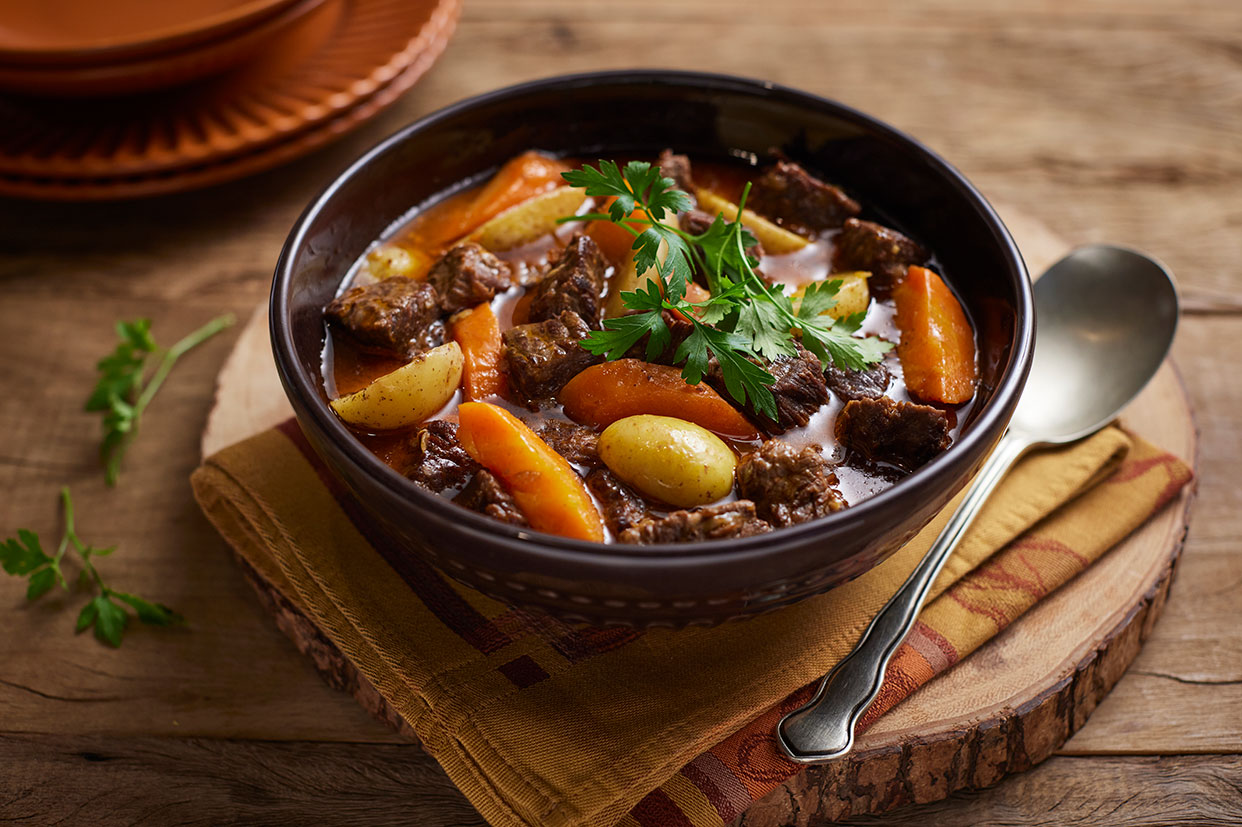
(775, 240)
(853, 297)
(528, 220)
(388, 260)
(626, 279)
(408, 395)
(670, 459)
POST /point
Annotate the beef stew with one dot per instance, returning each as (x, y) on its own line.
(502, 299)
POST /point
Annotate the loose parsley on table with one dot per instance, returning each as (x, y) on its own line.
(746, 319)
(24, 556)
(121, 393)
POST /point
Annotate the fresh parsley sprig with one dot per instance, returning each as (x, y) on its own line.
(641, 188)
(746, 320)
(122, 393)
(24, 556)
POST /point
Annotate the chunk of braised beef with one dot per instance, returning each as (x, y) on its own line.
(575, 282)
(788, 485)
(433, 335)
(677, 167)
(797, 200)
(901, 433)
(858, 384)
(711, 522)
(544, 355)
(389, 316)
(880, 250)
(695, 222)
(436, 460)
(487, 495)
(620, 506)
(576, 443)
(799, 390)
(468, 275)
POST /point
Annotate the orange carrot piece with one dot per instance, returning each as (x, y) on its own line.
(695, 293)
(477, 333)
(602, 394)
(521, 178)
(937, 348)
(548, 491)
(615, 242)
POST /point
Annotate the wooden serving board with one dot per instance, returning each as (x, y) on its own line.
(1002, 710)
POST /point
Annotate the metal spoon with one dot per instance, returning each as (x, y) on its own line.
(1106, 317)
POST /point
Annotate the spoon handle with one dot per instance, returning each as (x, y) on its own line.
(823, 729)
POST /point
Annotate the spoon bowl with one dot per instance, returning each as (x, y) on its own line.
(1106, 316)
(1105, 319)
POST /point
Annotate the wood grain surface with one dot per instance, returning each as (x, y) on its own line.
(1113, 120)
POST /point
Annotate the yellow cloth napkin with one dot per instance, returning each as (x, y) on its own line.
(543, 723)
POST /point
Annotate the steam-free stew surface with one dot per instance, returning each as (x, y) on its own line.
(873, 453)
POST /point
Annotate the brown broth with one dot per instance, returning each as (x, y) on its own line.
(348, 368)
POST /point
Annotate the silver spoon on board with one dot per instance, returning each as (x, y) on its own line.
(1105, 317)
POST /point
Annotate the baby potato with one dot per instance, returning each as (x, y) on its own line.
(528, 220)
(670, 459)
(389, 260)
(853, 297)
(774, 238)
(408, 395)
(626, 279)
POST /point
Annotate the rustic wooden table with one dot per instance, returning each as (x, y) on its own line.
(1113, 120)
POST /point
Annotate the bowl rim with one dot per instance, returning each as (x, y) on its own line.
(474, 526)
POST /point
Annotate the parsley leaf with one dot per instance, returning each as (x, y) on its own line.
(818, 298)
(642, 195)
(745, 322)
(121, 394)
(24, 556)
(762, 322)
(623, 332)
(110, 620)
(743, 379)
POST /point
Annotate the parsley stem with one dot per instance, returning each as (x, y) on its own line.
(121, 432)
(71, 536)
(64, 539)
(174, 353)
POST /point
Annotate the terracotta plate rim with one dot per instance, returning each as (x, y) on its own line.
(240, 166)
(147, 42)
(61, 165)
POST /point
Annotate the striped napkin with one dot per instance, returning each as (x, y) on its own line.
(543, 723)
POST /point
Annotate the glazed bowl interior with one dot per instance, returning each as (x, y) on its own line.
(898, 181)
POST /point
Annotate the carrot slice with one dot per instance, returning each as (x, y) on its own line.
(477, 333)
(937, 348)
(521, 178)
(602, 394)
(546, 488)
(615, 242)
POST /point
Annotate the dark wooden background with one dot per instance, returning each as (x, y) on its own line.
(1116, 120)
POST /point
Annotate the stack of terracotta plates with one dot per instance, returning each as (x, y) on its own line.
(137, 97)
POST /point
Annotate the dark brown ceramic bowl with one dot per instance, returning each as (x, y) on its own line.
(631, 112)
